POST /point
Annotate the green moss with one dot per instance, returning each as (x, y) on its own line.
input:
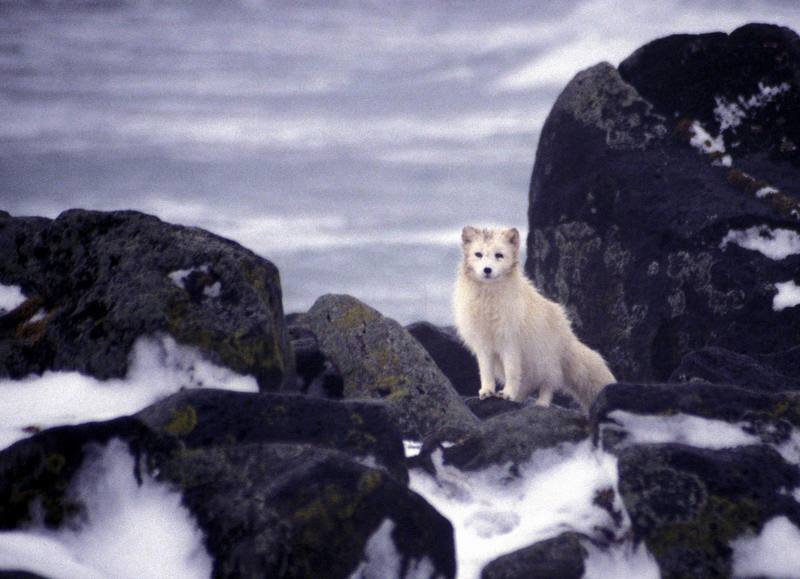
(183, 421)
(354, 317)
(369, 481)
(720, 521)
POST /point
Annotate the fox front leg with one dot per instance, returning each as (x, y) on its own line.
(486, 370)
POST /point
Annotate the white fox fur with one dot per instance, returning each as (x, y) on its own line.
(519, 337)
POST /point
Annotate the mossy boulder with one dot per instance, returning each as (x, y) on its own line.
(208, 417)
(106, 278)
(689, 504)
(265, 509)
(379, 359)
(281, 510)
(562, 557)
(631, 204)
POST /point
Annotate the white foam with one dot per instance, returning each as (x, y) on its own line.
(775, 552)
(159, 367)
(494, 512)
(682, 429)
(788, 295)
(620, 561)
(130, 530)
(381, 558)
(776, 244)
(11, 297)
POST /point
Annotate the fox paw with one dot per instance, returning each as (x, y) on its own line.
(485, 393)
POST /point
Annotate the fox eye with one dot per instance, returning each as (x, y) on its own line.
(498, 256)
(478, 254)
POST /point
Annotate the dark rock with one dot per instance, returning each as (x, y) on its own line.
(316, 374)
(560, 557)
(489, 407)
(379, 359)
(627, 218)
(207, 417)
(450, 354)
(103, 279)
(266, 510)
(299, 511)
(771, 417)
(507, 439)
(721, 366)
(688, 504)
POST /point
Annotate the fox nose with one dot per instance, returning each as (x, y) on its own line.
(487, 270)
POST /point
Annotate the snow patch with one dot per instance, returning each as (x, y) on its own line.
(788, 295)
(130, 530)
(179, 276)
(620, 561)
(11, 297)
(766, 192)
(159, 367)
(775, 552)
(730, 114)
(381, 558)
(412, 448)
(682, 429)
(704, 142)
(495, 511)
(776, 244)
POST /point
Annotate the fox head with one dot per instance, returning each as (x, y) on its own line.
(489, 254)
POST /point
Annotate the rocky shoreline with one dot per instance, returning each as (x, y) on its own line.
(662, 240)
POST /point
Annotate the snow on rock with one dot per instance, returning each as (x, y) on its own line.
(494, 511)
(412, 448)
(704, 142)
(766, 192)
(776, 244)
(775, 552)
(179, 277)
(730, 114)
(788, 295)
(682, 429)
(11, 297)
(130, 530)
(159, 367)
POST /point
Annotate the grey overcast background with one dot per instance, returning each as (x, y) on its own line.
(348, 142)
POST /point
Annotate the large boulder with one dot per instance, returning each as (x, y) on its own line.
(688, 504)
(265, 508)
(101, 280)
(379, 359)
(208, 417)
(652, 187)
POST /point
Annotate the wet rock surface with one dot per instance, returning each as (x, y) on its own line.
(103, 279)
(628, 218)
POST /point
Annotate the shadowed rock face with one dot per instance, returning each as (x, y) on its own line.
(627, 217)
(103, 280)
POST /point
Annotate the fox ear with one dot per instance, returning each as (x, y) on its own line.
(468, 234)
(512, 235)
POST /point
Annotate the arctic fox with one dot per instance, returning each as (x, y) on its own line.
(518, 336)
